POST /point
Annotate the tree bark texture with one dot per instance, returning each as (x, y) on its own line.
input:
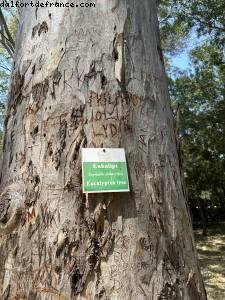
(92, 77)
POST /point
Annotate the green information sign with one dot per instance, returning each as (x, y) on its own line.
(104, 170)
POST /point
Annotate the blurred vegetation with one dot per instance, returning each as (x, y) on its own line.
(178, 18)
(8, 27)
(198, 99)
(200, 96)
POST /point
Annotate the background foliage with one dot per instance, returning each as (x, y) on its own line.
(198, 98)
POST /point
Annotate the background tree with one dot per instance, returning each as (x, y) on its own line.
(199, 95)
(202, 127)
(174, 29)
(206, 17)
(8, 26)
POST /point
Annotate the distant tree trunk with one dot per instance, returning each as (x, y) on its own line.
(92, 77)
(203, 215)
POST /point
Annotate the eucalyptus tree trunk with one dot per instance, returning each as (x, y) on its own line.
(92, 77)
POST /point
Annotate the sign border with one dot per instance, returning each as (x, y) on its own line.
(107, 191)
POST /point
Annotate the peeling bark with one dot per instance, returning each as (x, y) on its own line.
(93, 78)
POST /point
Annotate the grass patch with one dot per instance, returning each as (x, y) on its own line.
(211, 255)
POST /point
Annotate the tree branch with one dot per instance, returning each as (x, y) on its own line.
(7, 48)
(5, 68)
(3, 21)
(6, 40)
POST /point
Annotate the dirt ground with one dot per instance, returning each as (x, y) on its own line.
(211, 254)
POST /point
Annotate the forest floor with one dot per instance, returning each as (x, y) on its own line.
(211, 254)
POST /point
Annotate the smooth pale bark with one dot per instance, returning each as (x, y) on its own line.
(92, 77)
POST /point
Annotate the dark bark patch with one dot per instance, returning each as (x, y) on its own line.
(75, 156)
(171, 292)
(192, 287)
(35, 29)
(32, 295)
(76, 280)
(39, 28)
(47, 215)
(94, 254)
(145, 243)
(39, 93)
(49, 149)
(34, 132)
(77, 112)
(172, 256)
(15, 95)
(92, 72)
(33, 182)
(56, 77)
(159, 49)
(103, 81)
(11, 147)
(4, 206)
(6, 293)
(43, 28)
(115, 54)
(56, 159)
(76, 117)
(40, 61)
(36, 180)
(62, 134)
(26, 66)
(33, 69)
(102, 293)
(70, 185)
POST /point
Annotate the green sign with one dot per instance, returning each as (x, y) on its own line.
(104, 170)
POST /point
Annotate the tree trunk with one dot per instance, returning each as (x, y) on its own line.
(203, 215)
(92, 77)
